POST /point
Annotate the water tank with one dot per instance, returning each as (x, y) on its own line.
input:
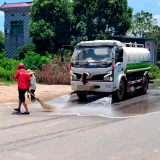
(135, 58)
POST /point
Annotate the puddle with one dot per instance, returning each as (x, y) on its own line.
(103, 106)
(100, 106)
(103, 102)
(156, 94)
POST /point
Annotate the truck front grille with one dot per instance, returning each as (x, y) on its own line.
(78, 75)
(98, 77)
(95, 77)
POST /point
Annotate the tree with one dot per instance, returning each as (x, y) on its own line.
(100, 18)
(20, 54)
(50, 24)
(143, 24)
(1, 41)
(58, 22)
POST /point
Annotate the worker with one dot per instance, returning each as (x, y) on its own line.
(33, 84)
(23, 78)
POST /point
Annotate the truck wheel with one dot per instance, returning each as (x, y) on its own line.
(145, 85)
(82, 96)
(119, 94)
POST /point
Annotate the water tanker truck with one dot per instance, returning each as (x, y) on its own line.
(109, 67)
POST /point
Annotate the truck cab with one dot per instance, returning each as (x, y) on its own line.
(100, 67)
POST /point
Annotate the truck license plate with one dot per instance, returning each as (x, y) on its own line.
(86, 87)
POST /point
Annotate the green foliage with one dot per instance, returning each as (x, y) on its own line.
(50, 24)
(98, 19)
(2, 54)
(154, 72)
(8, 64)
(8, 67)
(20, 54)
(1, 41)
(7, 75)
(68, 55)
(143, 24)
(34, 61)
(56, 23)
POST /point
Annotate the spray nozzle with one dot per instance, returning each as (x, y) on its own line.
(85, 76)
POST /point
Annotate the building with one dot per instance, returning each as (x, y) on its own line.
(16, 26)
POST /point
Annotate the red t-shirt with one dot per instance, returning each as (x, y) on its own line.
(23, 79)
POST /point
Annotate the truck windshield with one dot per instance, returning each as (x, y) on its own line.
(91, 54)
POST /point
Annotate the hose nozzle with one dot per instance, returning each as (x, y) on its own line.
(85, 76)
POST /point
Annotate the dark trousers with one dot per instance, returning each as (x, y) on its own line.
(22, 94)
(32, 97)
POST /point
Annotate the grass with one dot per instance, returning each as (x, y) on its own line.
(155, 84)
(4, 82)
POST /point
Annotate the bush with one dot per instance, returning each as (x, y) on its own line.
(9, 64)
(20, 54)
(1, 41)
(154, 72)
(49, 71)
(7, 75)
(2, 54)
(8, 67)
(34, 61)
(54, 73)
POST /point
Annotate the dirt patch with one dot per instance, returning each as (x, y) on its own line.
(9, 93)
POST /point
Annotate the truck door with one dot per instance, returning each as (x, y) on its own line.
(119, 69)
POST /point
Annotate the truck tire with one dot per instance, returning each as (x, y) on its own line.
(145, 86)
(120, 93)
(82, 96)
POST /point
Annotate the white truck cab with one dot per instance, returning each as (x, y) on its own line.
(109, 67)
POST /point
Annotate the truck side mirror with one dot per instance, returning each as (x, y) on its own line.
(121, 59)
(62, 51)
(120, 53)
(113, 56)
(62, 54)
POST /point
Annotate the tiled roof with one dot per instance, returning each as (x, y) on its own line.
(16, 5)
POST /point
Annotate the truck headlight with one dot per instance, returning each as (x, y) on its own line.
(72, 76)
(109, 73)
(108, 77)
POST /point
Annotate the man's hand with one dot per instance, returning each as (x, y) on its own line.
(28, 95)
(29, 90)
(29, 86)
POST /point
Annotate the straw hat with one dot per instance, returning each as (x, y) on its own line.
(30, 71)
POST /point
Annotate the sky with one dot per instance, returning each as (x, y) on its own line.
(152, 6)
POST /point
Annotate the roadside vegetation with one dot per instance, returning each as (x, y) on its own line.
(68, 24)
(154, 72)
(48, 69)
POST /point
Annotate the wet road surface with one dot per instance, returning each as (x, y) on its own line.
(103, 130)
(134, 105)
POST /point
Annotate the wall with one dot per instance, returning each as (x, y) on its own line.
(13, 42)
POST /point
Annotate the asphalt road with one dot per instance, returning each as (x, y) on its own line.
(93, 130)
